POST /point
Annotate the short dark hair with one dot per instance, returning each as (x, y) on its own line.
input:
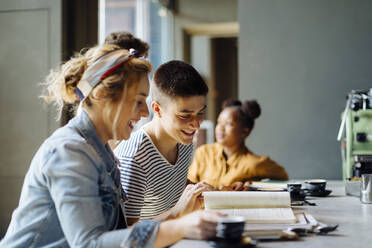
(177, 78)
(127, 41)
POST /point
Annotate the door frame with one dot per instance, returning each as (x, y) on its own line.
(211, 30)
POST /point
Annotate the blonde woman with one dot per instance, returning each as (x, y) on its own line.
(72, 195)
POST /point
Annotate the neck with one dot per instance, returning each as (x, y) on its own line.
(231, 150)
(95, 118)
(166, 145)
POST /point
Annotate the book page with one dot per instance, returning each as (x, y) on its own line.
(269, 185)
(245, 199)
(262, 215)
(301, 222)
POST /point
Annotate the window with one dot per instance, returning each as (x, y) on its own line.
(146, 19)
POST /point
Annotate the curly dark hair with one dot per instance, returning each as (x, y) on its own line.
(249, 110)
(127, 41)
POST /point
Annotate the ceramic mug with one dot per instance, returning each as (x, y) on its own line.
(295, 191)
(315, 185)
(293, 186)
(230, 228)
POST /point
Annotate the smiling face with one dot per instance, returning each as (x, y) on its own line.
(133, 108)
(180, 117)
(229, 131)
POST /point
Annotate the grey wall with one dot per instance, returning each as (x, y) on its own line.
(299, 58)
(30, 46)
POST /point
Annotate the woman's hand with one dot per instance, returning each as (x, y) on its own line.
(200, 224)
(207, 186)
(197, 225)
(237, 186)
(240, 186)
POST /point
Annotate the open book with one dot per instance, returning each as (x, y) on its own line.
(269, 186)
(256, 207)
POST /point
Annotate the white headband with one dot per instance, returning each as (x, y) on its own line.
(100, 69)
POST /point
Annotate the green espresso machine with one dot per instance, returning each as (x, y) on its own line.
(355, 135)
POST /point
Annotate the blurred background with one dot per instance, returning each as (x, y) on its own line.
(298, 58)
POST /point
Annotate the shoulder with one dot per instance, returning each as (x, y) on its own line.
(255, 158)
(267, 168)
(129, 147)
(136, 153)
(186, 149)
(67, 151)
(67, 140)
(209, 149)
(260, 160)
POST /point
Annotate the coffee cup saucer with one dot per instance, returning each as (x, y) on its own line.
(322, 193)
(219, 243)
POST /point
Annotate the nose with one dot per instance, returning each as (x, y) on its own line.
(144, 112)
(195, 123)
(220, 127)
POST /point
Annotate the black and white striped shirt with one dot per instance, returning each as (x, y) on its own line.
(152, 184)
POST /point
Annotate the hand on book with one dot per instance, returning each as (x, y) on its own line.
(237, 186)
(240, 186)
(190, 200)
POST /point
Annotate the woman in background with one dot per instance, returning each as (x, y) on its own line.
(72, 196)
(228, 162)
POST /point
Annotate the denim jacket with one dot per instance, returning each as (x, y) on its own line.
(71, 195)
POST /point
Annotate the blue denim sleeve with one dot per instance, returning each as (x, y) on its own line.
(143, 234)
(71, 176)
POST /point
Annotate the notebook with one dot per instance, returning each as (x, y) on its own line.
(257, 207)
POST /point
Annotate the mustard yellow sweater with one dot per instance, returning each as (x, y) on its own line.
(209, 165)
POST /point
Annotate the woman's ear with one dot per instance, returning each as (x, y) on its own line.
(245, 132)
(155, 106)
(99, 95)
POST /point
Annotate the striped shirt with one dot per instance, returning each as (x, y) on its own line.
(152, 184)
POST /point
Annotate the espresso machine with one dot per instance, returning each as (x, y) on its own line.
(355, 134)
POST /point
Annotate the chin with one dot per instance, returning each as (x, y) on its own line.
(186, 141)
(124, 136)
(222, 142)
